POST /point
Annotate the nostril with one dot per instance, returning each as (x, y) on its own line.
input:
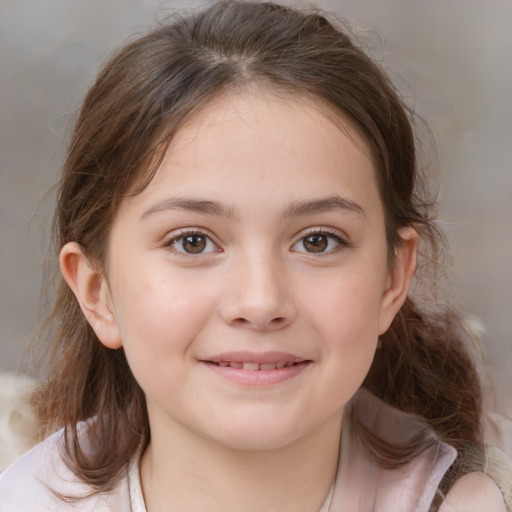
(240, 321)
(273, 323)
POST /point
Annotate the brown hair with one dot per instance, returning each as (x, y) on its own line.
(140, 99)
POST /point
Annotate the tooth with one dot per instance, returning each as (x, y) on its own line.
(236, 365)
(267, 366)
(280, 365)
(251, 366)
(223, 364)
(289, 363)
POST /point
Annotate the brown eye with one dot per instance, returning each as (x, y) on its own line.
(319, 242)
(194, 244)
(315, 243)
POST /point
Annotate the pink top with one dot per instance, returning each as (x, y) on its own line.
(360, 485)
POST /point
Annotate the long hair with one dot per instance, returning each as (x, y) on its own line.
(141, 97)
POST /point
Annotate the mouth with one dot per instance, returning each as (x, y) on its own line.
(256, 369)
(254, 366)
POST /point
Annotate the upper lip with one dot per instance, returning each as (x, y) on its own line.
(255, 357)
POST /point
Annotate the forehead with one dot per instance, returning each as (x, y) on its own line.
(256, 138)
(265, 110)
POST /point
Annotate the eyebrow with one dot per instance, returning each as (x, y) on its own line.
(301, 208)
(296, 209)
(192, 205)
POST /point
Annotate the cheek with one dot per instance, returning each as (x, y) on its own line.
(159, 317)
(345, 313)
(158, 327)
(349, 328)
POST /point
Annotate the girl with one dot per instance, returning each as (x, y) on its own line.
(238, 223)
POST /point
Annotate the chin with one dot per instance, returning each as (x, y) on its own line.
(256, 435)
(257, 442)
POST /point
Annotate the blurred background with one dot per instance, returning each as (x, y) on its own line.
(451, 59)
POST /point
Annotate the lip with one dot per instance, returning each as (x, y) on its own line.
(290, 366)
(254, 357)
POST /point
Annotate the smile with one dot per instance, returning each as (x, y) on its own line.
(252, 366)
(256, 369)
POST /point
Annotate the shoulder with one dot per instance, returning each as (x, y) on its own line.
(25, 483)
(474, 492)
(38, 479)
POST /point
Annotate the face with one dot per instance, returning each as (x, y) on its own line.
(248, 283)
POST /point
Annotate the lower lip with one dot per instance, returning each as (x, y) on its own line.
(258, 377)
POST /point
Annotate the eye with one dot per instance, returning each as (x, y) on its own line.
(192, 243)
(319, 242)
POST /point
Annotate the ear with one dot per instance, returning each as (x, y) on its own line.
(399, 277)
(92, 293)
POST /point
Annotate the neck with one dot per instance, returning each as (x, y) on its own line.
(187, 472)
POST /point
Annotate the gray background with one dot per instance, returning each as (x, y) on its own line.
(454, 55)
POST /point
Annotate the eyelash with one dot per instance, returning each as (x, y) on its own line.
(182, 235)
(328, 233)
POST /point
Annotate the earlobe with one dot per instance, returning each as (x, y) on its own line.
(92, 293)
(399, 278)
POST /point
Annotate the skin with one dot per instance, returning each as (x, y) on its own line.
(474, 492)
(284, 182)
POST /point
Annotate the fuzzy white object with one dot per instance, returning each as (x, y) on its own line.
(18, 424)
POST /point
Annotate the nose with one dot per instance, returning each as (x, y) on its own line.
(259, 296)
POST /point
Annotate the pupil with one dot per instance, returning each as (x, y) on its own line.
(194, 244)
(315, 243)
